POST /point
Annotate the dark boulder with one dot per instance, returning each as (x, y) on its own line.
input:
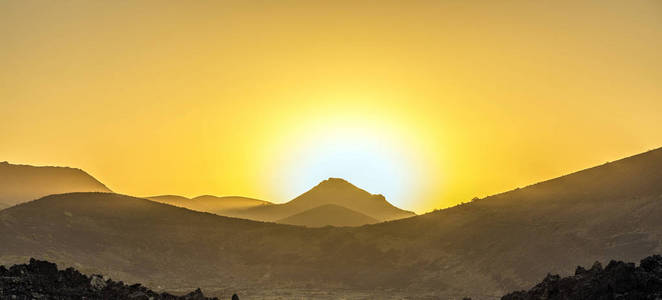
(42, 280)
(618, 280)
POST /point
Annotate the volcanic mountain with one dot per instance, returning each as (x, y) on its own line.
(481, 249)
(212, 204)
(334, 191)
(20, 183)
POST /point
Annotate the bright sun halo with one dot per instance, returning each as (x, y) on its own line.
(366, 158)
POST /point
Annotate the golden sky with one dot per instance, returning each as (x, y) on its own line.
(428, 102)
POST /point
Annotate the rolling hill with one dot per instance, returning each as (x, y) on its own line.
(481, 249)
(3, 205)
(331, 191)
(212, 204)
(20, 183)
(328, 215)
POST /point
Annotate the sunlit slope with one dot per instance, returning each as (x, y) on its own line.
(212, 204)
(20, 183)
(328, 214)
(606, 212)
(331, 191)
(485, 248)
(3, 205)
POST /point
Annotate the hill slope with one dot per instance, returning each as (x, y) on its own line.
(331, 191)
(20, 183)
(329, 214)
(212, 204)
(481, 249)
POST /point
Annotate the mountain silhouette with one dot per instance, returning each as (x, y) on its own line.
(20, 183)
(328, 215)
(335, 191)
(482, 249)
(209, 203)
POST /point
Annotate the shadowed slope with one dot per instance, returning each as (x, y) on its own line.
(212, 204)
(134, 239)
(331, 191)
(329, 215)
(481, 249)
(20, 183)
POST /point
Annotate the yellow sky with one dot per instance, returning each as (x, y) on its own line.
(454, 99)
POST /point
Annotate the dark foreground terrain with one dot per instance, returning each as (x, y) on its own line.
(618, 280)
(42, 280)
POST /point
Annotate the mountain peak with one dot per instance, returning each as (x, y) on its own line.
(341, 192)
(21, 183)
(342, 184)
(334, 182)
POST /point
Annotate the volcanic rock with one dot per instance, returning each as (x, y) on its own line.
(42, 280)
(618, 280)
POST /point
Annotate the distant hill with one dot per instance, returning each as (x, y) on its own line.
(212, 204)
(331, 191)
(481, 249)
(174, 200)
(3, 205)
(138, 240)
(328, 214)
(20, 183)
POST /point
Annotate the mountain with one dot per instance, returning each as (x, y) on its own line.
(173, 200)
(133, 239)
(331, 191)
(20, 183)
(328, 214)
(4, 205)
(481, 249)
(212, 204)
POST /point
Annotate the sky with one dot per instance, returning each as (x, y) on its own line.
(430, 103)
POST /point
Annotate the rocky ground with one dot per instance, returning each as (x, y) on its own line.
(42, 280)
(618, 280)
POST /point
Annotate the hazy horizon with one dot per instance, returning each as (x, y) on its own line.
(430, 103)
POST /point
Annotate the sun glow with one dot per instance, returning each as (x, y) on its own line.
(366, 158)
(372, 146)
(430, 104)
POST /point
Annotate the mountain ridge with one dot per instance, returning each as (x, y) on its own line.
(487, 247)
(20, 183)
(209, 203)
(330, 191)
